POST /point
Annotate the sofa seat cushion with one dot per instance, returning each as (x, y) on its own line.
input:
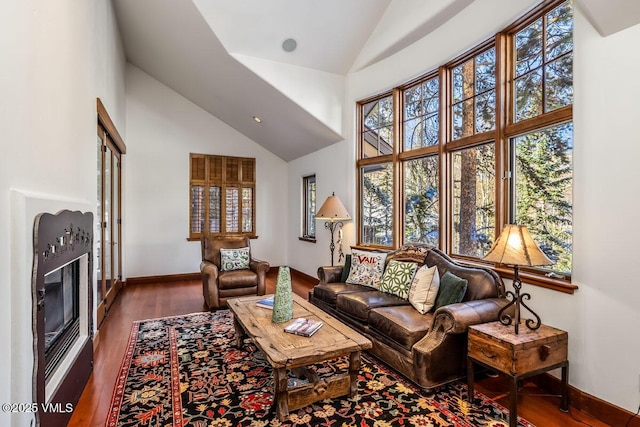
(328, 292)
(358, 304)
(404, 324)
(237, 279)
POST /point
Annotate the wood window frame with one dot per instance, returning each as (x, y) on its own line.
(306, 219)
(505, 129)
(234, 172)
(382, 159)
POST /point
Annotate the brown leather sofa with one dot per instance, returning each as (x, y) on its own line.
(217, 285)
(428, 349)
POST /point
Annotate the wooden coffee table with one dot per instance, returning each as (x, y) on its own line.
(292, 352)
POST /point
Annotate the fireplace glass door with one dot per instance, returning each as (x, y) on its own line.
(60, 305)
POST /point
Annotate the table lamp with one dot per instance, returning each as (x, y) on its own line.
(516, 247)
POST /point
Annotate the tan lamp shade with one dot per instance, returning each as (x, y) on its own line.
(515, 246)
(333, 210)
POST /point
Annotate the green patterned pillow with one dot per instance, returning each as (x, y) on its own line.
(397, 278)
(234, 259)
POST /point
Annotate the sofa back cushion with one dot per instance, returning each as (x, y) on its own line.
(482, 282)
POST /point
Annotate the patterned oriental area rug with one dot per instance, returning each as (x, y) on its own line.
(187, 371)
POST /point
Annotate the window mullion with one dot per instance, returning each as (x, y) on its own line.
(398, 188)
(443, 158)
(223, 197)
(205, 199)
(504, 63)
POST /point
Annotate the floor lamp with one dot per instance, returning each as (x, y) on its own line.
(334, 212)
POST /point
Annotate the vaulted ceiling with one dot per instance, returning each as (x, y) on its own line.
(227, 56)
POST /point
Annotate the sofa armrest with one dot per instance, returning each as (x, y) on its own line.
(456, 318)
(209, 271)
(469, 313)
(258, 266)
(330, 274)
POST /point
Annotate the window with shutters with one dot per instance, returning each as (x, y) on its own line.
(222, 195)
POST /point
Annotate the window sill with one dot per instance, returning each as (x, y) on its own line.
(537, 280)
(307, 239)
(526, 277)
(197, 239)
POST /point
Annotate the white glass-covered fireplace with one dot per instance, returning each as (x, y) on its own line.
(62, 301)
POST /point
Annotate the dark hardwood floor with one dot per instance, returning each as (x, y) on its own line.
(146, 301)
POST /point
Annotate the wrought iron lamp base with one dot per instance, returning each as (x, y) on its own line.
(517, 300)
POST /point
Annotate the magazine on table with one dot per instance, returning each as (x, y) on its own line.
(266, 303)
(304, 327)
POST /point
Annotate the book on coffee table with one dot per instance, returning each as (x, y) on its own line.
(266, 303)
(304, 327)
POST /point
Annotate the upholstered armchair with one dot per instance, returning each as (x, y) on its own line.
(228, 271)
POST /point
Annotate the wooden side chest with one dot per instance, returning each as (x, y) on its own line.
(529, 353)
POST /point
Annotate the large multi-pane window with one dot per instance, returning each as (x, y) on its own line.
(222, 195)
(483, 141)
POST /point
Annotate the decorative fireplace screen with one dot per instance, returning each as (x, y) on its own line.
(62, 311)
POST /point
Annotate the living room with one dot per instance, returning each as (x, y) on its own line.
(60, 57)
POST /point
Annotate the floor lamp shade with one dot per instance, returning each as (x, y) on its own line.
(334, 212)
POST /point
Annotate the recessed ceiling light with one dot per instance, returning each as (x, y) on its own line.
(257, 119)
(289, 45)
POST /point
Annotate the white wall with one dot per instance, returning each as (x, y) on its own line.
(602, 314)
(162, 129)
(601, 317)
(55, 63)
(332, 169)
